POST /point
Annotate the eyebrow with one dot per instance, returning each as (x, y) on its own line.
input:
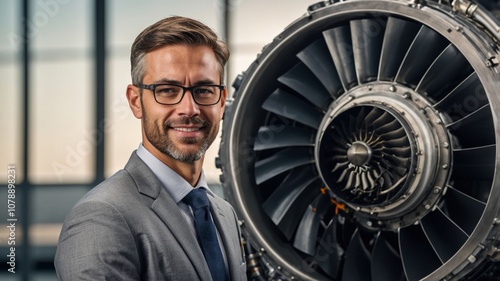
(176, 82)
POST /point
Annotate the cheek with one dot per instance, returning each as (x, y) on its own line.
(152, 117)
(216, 114)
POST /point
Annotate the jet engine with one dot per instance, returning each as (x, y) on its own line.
(363, 144)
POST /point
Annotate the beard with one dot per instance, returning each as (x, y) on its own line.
(159, 138)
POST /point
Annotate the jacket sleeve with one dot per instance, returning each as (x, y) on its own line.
(96, 244)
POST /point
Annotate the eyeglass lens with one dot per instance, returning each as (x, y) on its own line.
(172, 94)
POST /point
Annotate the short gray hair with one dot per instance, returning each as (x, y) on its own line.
(172, 31)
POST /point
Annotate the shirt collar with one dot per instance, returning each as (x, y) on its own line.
(175, 185)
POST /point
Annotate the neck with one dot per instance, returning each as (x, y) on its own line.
(190, 171)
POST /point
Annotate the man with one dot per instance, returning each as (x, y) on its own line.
(139, 224)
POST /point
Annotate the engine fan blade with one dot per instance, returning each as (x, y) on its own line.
(399, 142)
(459, 103)
(391, 127)
(308, 229)
(371, 116)
(304, 82)
(367, 36)
(386, 262)
(289, 106)
(464, 210)
(317, 58)
(357, 260)
(474, 163)
(270, 137)
(399, 34)
(339, 44)
(417, 255)
(449, 69)
(402, 151)
(445, 243)
(474, 129)
(280, 162)
(397, 161)
(329, 252)
(383, 119)
(291, 199)
(423, 51)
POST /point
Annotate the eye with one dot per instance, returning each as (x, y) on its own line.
(204, 90)
(166, 90)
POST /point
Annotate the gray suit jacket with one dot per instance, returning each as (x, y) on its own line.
(129, 228)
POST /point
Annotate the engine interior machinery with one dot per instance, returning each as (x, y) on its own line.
(363, 144)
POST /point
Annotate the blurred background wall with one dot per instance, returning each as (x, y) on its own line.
(65, 122)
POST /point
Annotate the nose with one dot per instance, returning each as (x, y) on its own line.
(187, 106)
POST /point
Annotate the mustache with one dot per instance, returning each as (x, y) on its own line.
(195, 120)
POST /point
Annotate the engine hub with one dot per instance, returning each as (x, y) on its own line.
(382, 150)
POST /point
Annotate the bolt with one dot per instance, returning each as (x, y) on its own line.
(392, 88)
(427, 206)
(446, 144)
(472, 259)
(445, 166)
(436, 190)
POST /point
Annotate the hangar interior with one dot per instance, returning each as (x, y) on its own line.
(370, 144)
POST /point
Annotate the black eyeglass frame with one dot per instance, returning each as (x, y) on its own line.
(152, 88)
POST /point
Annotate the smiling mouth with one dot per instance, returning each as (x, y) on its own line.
(186, 129)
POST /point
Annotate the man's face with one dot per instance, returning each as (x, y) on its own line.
(183, 131)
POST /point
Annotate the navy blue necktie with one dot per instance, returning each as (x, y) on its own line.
(205, 232)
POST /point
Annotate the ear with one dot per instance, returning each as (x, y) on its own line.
(134, 100)
(223, 102)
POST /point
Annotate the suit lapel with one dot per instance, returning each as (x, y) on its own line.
(168, 211)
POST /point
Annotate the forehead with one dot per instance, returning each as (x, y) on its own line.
(182, 63)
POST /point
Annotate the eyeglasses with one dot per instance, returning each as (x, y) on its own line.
(170, 94)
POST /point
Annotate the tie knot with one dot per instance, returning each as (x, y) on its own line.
(196, 198)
